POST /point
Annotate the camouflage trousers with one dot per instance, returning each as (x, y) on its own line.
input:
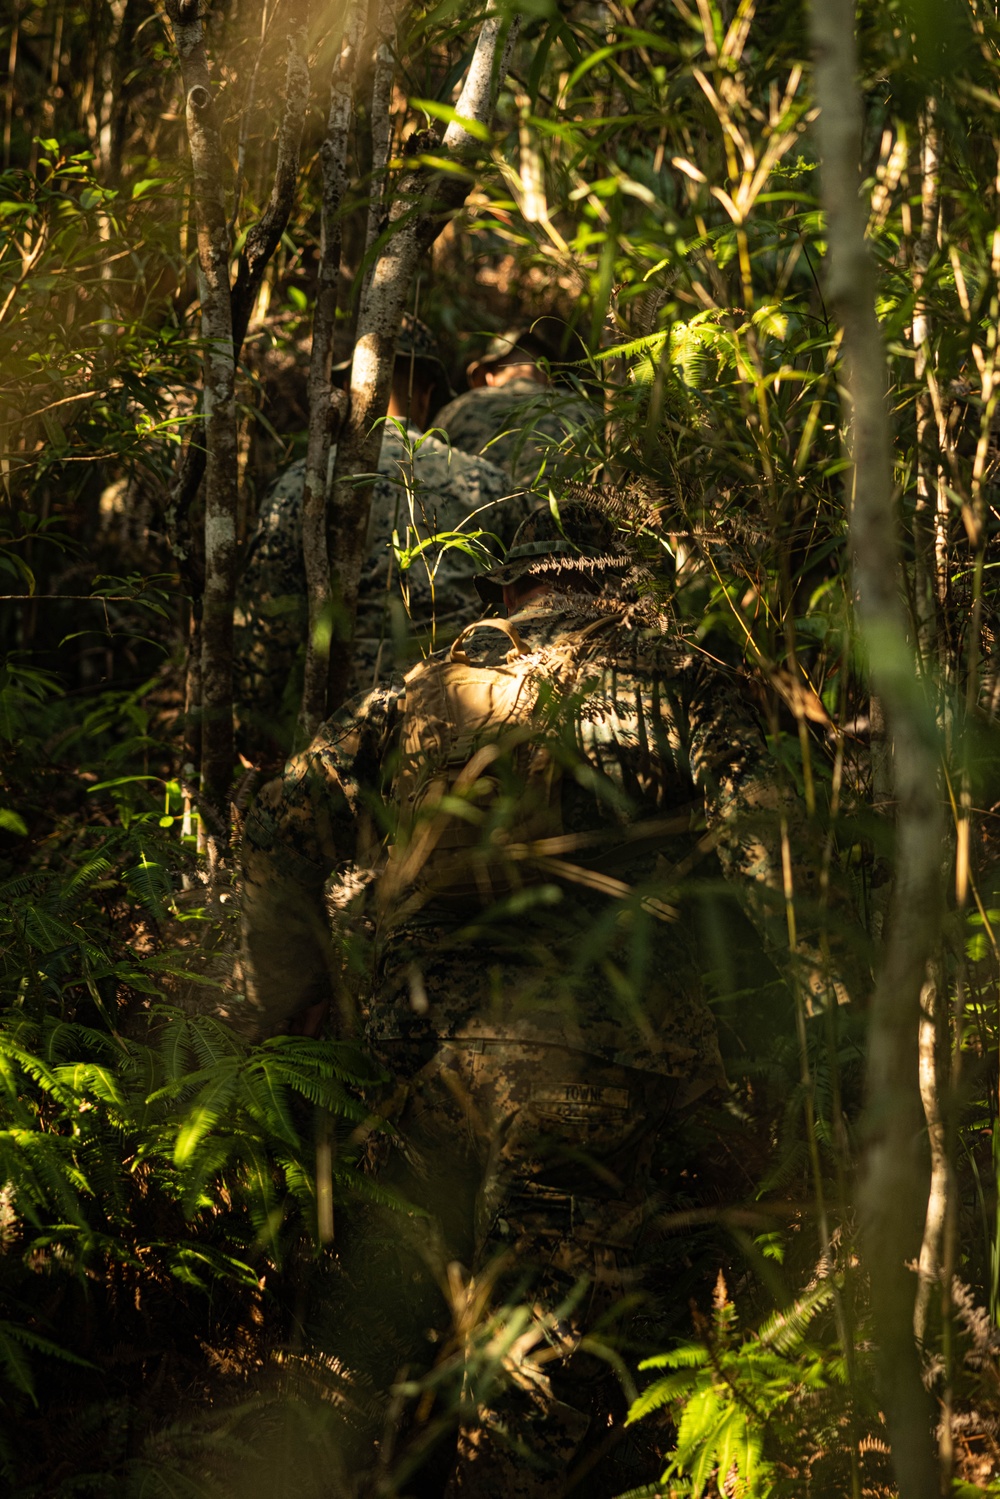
(503, 1294)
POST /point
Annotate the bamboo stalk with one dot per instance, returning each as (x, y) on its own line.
(893, 1186)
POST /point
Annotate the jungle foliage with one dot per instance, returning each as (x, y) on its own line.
(171, 1189)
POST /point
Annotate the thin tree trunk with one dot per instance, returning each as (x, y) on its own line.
(314, 547)
(261, 243)
(225, 318)
(927, 583)
(880, 755)
(220, 413)
(191, 753)
(265, 236)
(381, 123)
(933, 1081)
(893, 1190)
(420, 209)
(930, 592)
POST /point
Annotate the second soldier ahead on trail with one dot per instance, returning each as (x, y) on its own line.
(557, 785)
(421, 597)
(522, 409)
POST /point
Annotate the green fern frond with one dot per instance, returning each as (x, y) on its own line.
(16, 1343)
(93, 869)
(204, 1113)
(687, 1356)
(198, 1264)
(785, 1331)
(660, 1393)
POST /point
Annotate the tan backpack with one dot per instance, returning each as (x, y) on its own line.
(477, 774)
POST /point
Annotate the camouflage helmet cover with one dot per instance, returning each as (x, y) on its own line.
(570, 537)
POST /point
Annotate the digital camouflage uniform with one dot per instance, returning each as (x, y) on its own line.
(535, 1045)
(527, 428)
(424, 489)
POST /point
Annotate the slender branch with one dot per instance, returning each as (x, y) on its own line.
(264, 237)
(894, 1189)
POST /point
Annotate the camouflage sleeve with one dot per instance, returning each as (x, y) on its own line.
(271, 617)
(770, 848)
(301, 827)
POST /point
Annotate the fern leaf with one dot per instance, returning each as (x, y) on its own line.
(785, 1331)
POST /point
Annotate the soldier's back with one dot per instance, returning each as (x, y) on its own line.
(424, 490)
(523, 425)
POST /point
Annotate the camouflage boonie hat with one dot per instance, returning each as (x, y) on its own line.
(514, 341)
(413, 341)
(572, 537)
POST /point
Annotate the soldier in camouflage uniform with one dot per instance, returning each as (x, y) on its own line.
(424, 489)
(514, 415)
(536, 997)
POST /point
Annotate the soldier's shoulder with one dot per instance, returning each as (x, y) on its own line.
(440, 462)
(472, 418)
(455, 408)
(371, 709)
(620, 640)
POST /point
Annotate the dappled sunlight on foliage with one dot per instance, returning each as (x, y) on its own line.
(179, 1198)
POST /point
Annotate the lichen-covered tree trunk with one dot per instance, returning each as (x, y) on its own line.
(219, 406)
(225, 316)
(381, 118)
(928, 581)
(420, 208)
(264, 237)
(321, 413)
(894, 1188)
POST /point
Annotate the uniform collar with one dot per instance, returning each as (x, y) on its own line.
(540, 610)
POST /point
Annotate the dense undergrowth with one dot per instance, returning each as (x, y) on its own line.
(172, 1193)
(159, 1171)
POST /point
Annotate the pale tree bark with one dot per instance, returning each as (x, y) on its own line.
(321, 410)
(265, 235)
(933, 1079)
(930, 577)
(381, 118)
(210, 569)
(420, 208)
(929, 580)
(260, 245)
(893, 1190)
(220, 411)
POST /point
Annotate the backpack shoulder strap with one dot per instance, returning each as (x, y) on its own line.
(503, 625)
